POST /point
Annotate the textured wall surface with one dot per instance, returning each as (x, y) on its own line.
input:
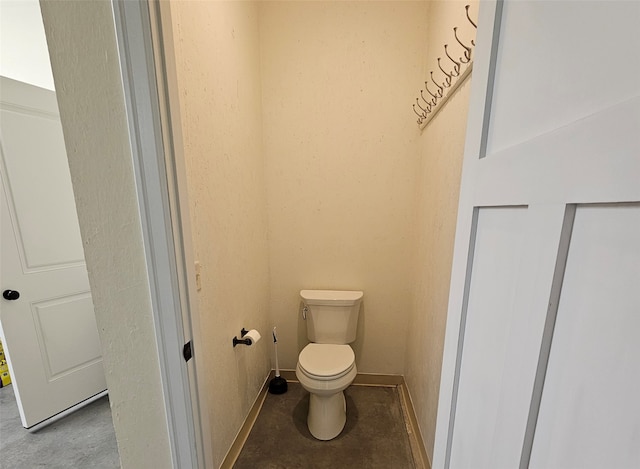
(442, 147)
(218, 74)
(342, 156)
(86, 70)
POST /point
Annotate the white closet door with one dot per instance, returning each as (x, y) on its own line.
(540, 364)
(590, 411)
(50, 331)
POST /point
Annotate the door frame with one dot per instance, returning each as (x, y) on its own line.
(145, 44)
(484, 67)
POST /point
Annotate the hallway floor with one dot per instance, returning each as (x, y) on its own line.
(375, 435)
(81, 440)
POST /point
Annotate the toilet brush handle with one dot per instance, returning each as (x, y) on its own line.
(275, 347)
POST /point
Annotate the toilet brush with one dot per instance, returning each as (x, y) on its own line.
(277, 385)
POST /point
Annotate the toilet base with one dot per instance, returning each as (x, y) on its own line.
(327, 415)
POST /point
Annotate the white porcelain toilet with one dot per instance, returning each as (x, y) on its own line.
(327, 366)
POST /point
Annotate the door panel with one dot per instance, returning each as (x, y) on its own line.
(500, 235)
(44, 210)
(515, 253)
(52, 319)
(589, 409)
(566, 71)
(537, 170)
(546, 375)
(50, 332)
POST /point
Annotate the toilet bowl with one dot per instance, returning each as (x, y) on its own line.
(326, 370)
(327, 366)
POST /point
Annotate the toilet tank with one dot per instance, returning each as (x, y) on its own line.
(332, 315)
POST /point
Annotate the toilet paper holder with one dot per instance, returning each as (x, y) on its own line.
(237, 341)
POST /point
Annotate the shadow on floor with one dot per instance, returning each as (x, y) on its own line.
(83, 439)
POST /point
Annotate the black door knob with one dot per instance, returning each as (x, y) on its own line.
(10, 294)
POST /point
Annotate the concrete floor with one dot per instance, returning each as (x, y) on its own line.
(375, 435)
(83, 439)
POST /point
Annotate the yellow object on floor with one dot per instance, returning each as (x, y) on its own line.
(5, 377)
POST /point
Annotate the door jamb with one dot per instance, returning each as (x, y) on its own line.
(155, 132)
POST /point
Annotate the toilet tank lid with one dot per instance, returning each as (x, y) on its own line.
(336, 297)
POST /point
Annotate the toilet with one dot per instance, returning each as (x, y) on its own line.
(327, 366)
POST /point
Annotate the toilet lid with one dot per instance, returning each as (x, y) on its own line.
(326, 360)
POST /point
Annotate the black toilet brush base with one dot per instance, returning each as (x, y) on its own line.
(278, 385)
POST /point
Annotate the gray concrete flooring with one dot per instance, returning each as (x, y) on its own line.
(83, 439)
(375, 435)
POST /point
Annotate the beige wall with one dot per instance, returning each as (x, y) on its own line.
(342, 154)
(442, 146)
(217, 60)
(86, 70)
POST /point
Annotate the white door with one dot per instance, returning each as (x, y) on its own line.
(49, 331)
(541, 365)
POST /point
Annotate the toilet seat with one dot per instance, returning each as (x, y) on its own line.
(326, 362)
